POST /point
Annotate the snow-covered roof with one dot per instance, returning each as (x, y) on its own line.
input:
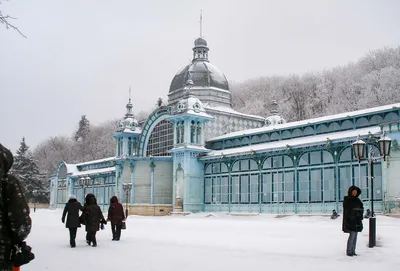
(307, 121)
(96, 161)
(229, 110)
(190, 147)
(71, 168)
(295, 142)
(94, 171)
(137, 130)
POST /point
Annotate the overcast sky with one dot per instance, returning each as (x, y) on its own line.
(81, 56)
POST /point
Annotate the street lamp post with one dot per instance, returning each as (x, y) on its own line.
(127, 188)
(34, 192)
(359, 152)
(84, 182)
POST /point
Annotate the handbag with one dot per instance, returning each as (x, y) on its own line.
(82, 219)
(20, 253)
(123, 227)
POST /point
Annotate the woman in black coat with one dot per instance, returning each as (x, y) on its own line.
(116, 216)
(15, 222)
(93, 216)
(353, 210)
(72, 208)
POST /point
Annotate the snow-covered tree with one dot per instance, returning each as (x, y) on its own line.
(25, 168)
(83, 129)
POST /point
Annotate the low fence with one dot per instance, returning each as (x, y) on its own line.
(39, 205)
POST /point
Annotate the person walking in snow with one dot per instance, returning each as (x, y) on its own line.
(116, 216)
(15, 222)
(93, 217)
(72, 208)
(353, 210)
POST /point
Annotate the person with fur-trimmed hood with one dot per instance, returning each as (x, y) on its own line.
(353, 210)
(116, 216)
(15, 222)
(72, 208)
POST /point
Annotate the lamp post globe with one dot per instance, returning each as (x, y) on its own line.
(359, 149)
(384, 144)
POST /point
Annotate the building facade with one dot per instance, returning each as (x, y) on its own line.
(196, 153)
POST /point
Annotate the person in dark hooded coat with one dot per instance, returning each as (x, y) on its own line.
(353, 210)
(116, 216)
(15, 222)
(93, 217)
(72, 208)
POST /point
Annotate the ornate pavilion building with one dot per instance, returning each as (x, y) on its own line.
(196, 153)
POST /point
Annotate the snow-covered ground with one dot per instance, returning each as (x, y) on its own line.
(219, 242)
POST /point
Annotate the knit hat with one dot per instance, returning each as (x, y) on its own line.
(72, 197)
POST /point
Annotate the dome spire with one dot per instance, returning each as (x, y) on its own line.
(201, 23)
(129, 106)
(200, 49)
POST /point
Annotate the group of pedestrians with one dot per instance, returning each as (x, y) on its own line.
(92, 217)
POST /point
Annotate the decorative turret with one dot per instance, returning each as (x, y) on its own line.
(129, 123)
(127, 133)
(274, 119)
(189, 118)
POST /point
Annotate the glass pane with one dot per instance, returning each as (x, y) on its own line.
(315, 158)
(287, 162)
(254, 188)
(327, 157)
(377, 182)
(329, 184)
(278, 187)
(244, 165)
(236, 166)
(346, 155)
(235, 189)
(244, 189)
(289, 186)
(224, 189)
(316, 179)
(303, 185)
(267, 163)
(253, 165)
(216, 190)
(267, 187)
(208, 190)
(344, 181)
(304, 160)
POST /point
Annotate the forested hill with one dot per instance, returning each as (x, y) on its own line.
(372, 81)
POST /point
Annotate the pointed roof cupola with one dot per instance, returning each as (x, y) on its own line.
(274, 119)
(129, 124)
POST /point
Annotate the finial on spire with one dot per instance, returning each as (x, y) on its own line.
(130, 94)
(201, 23)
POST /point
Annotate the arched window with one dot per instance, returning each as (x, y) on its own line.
(308, 131)
(322, 128)
(334, 127)
(391, 117)
(198, 133)
(297, 133)
(130, 146)
(376, 119)
(264, 138)
(192, 132)
(182, 132)
(346, 125)
(362, 122)
(286, 134)
(162, 139)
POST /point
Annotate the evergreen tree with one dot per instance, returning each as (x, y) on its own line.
(83, 129)
(27, 171)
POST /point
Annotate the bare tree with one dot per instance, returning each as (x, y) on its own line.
(6, 20)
